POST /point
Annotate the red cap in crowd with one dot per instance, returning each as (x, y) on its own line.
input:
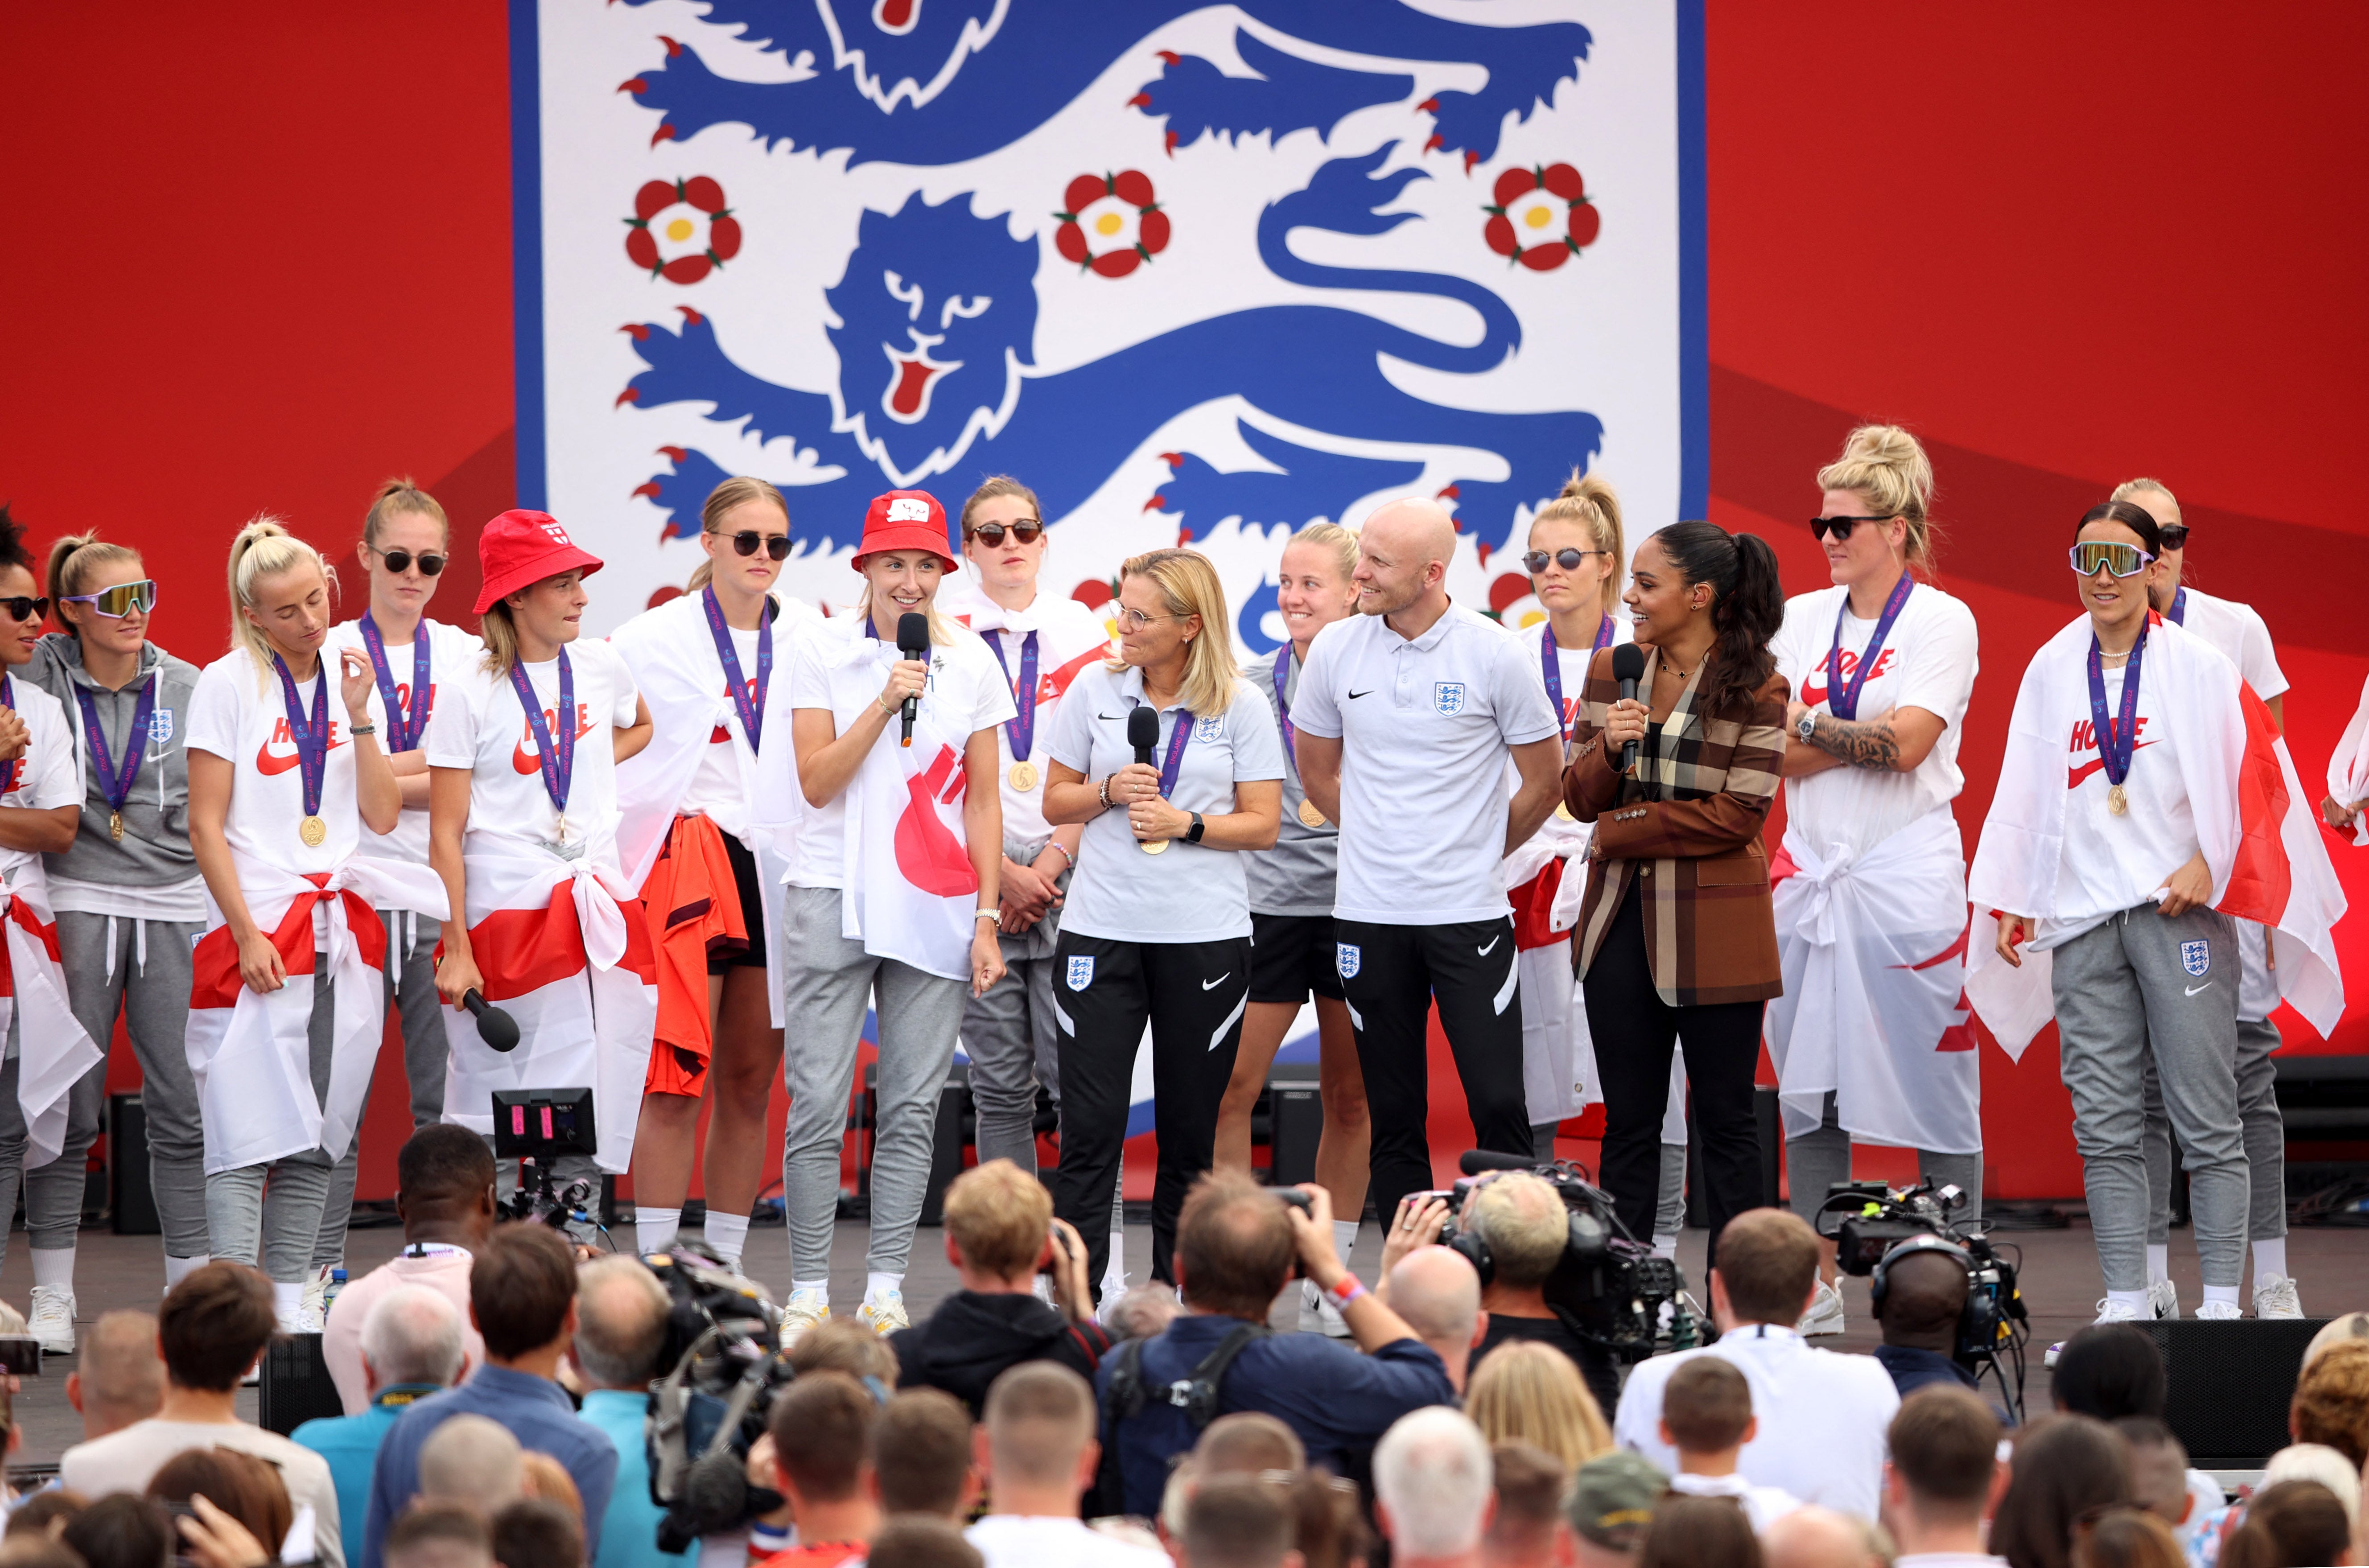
(520, 549)
(904, 520)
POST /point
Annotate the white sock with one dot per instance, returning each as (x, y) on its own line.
(819, 1287)
(1666, 1247)
(2136, 1300)
(876, 1285)
(2221, 1293)
(655, 1229)
(179, 1269)
(287, 1300)
(1345, 1238)
(728, 1234)
(55, 1269)
(1115, 1271)
(2270, 1258)
(2158, 1261)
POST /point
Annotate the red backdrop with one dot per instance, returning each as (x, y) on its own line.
(2064, 243)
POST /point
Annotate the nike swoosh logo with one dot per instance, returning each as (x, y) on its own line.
(2193, 989)
(270, 765)
(2076, 775)
(1113, 718)
(1493, 942)
(1355, 695)
(1222, 980)
(525, 763)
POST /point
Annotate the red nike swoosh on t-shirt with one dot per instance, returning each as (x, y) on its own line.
(269, 763)
(2074, 775)
(525, 761)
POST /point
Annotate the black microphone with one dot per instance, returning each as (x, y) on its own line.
(497, 1029)
(1628, 668)
(1142, 731)
(912, 642)
(1475, 1162)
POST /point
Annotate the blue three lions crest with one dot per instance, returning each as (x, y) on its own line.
(2196, 957)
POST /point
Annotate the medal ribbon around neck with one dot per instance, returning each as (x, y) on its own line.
(117, 787)
(555, 754)
(1842, 697)
(748, 696)
(1179, 736)
(8, 769)
(1552, 667)
(404, 729)
(311, 736)
(2115, 743)
(1283, 708)
(1021, 728)
(2177, 613)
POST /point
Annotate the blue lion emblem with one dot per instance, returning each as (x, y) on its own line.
(1448, 696)
(2196, 957)
(1348, 957)
(1080, 971)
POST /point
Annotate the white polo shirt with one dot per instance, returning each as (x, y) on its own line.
(1187, 892)
(1424, 727)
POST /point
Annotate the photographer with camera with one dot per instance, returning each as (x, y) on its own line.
(1236, 1246)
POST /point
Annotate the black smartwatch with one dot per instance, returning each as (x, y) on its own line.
(1193, 833)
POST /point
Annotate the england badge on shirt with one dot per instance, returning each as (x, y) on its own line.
(1207, 730)
(160, 727)
(1448, 696)
(2196, 957)
(1081, 971)
(1348, 957)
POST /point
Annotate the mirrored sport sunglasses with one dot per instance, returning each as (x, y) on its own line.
(119, 600)
(748, 541)
(400, 561)
(23, 609)
(1840, 526)
(1025, 533)
(1539, 560)
(2121, 560)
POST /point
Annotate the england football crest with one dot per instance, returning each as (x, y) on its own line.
(1448, 696)
(160, 727)
(1206, 731)
(1348, 959)
(2196, 957)
(1081, 970)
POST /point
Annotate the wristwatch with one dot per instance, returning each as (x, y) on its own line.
(1193, 833)
(1808, 727)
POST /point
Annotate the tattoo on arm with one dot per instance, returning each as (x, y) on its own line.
(1860, 743)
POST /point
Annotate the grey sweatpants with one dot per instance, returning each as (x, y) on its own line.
(2265, 1132)
(2147, 986)
(152, 996)
(1816, 1161)
(54, 1209)
(413, 991)
(827, 983)
(277, 1228)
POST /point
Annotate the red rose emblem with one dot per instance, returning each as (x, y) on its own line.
(1541, 217)
(681, 230)
(1111, 224)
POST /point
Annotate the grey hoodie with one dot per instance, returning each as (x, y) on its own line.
(155, 848)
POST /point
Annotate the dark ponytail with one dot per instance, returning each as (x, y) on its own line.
(1748, 606)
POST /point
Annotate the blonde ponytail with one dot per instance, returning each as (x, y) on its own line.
(72, 560)
(265, 548)
(1886, 467)
(1589, 500)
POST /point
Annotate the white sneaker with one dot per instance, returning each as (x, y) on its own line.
(2163, 1296)
(2108, 1311)
(885, 1313)
(52, 1320)
(2221, 1312)
(312, 1312)
(1826, 1313)
(804, 1310)
(2275, 1296)
(1318, 1314)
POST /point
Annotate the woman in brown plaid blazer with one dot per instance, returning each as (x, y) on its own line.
(1677, 939)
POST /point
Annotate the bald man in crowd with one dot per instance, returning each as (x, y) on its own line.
(1438, 1294)
(118, 1378)
(1406, 715)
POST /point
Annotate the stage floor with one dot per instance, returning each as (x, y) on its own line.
(2060, 1283)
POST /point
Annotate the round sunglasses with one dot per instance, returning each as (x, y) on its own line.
(748, 541)
(1539, 560)
(401, 561)
(1025, 533)
(117, 603)
(2174, 536)
(1840, 526)
(23, 609)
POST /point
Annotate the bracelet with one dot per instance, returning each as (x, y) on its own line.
(1067, 858)
(888, 707)
(1349, 1289)
(1103, 790)
(361, 729)
(987, 915)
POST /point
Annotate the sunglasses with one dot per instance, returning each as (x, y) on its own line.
(2174, 536)
(1025, 533)
(1539, 560)
(2121, 560)
(399, 562)
(1840, 526)
(23, 609)
(748, 541)
(119, 600)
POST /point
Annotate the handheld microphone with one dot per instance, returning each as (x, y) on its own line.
(497, 1029)
(1142, 731)
(1477, 1161)
(1628, 668)
(912, 642)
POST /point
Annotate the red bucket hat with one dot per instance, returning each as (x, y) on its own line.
(904, 520)
(520, 549)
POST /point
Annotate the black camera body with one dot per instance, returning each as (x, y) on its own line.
(1874, 1227)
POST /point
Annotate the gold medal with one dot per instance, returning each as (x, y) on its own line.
(1309, 816)
(1023, 776)
(313, 831)
(2116, 801)
(1562, 813)
(1154, 846)
(115, 825)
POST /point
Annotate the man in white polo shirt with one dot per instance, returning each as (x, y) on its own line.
(1405, 715)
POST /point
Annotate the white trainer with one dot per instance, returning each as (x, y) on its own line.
(1318, 1314)
(802, 1311)
(313, 1311)
(2108, 1311)
(2220, 1312)
(2163, 1297)
(51, 1321)
(1826, 1313)
(885, 1313)
(2275, 1296)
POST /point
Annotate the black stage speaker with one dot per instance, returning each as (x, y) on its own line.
(2231, 1385)
(296, 1384)
(127, 1168)
(1295, 1121)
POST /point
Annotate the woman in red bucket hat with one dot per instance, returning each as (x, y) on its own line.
(522, 751)
(892, 890)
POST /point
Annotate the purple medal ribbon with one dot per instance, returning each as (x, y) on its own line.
(1282, 708)
(8, 769)
(2177, 613)
(404, 729)
(748, 696)
(1552, 667)
(1178, 739)
(1842, 697)
(311, 735)
(117, 787)
(2115, 743)
(1022, 729)
(554, 753)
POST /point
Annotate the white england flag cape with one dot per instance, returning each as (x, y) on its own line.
(2348, 767)
(2258, 831)
(248, 1051)
(54, 1051)
(671, 656)
(564, 950)
(1874, 1011)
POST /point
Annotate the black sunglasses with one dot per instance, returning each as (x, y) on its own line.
(23, 609)
(2174, 536)
(1539, 560)
(776, 545)
(1027, 533)
(1839, 526)
(399, 562)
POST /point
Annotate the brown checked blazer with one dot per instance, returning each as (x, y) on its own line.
(1692, 843)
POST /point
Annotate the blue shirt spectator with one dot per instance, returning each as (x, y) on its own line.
(351, 1444)
(629, 1532)
(621, 1326)
(410, 1343)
